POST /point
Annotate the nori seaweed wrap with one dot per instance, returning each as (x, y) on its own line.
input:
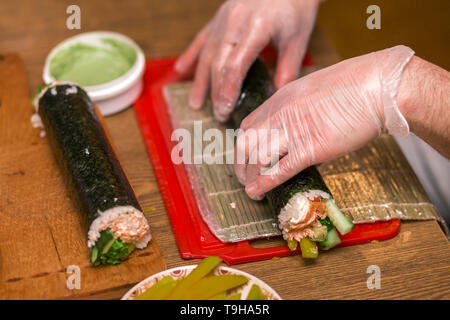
(304, 201)
(107, 203)
(256, 88)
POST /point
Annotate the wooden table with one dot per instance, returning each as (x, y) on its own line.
(415, 264)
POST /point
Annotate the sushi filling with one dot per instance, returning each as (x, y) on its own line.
(115, 234)
(301, 214)
(125, 222)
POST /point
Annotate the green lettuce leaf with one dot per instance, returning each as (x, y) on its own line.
(109, 250)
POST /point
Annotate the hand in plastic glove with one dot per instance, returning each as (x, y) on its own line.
(323, 116)
(232, 40)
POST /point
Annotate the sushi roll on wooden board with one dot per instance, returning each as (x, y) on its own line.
(108, 205)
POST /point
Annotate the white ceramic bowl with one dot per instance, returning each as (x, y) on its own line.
(179, 272)
(118, 94)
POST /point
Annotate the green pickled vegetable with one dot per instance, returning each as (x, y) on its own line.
(205, 267)
(292, 244)
(236, 296)
(223, 296)
(256, 293)
(220, 296)
(159, 290)
(309, 249)
(213, 285)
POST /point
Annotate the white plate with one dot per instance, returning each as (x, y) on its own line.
(179, 272)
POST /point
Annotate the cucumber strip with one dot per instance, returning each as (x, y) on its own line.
(340, 221)
(108, 246)
(94, 255)
(331, 240)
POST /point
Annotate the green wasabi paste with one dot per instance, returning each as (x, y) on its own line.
(90, 65)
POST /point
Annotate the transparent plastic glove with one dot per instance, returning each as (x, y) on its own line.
(231, 41)
(322, 116)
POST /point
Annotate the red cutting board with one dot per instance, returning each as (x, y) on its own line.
(193, 236)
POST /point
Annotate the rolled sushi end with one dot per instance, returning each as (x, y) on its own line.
(115, 233)
(299, 218)
(311, 217)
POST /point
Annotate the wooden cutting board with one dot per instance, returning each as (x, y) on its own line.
(40, 231)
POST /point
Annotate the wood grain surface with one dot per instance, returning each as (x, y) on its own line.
(41, 234)
(415, 264)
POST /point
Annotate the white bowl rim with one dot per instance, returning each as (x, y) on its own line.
(192, 266)
(113, 87)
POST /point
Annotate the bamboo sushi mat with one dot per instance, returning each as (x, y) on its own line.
(371, 184)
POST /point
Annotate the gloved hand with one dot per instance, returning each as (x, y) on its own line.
(231, 41)
(322, 116)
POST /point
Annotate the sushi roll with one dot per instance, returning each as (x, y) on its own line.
(302, 203)
(305, 207)
(108, 205)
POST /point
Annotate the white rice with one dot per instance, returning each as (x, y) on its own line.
(36, 121)
(312, 194)
(296, 209)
